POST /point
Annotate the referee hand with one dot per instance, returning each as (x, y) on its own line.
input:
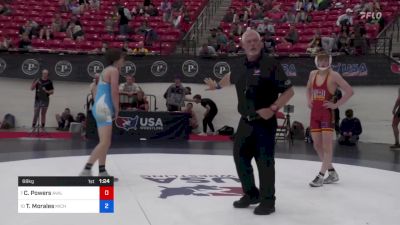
(265, 113)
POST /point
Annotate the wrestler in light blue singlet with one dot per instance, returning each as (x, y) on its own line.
(103, 108)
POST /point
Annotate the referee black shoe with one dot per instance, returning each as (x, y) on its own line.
(246, 201)
(264, 209)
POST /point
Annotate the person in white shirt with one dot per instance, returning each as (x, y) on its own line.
(345, 19)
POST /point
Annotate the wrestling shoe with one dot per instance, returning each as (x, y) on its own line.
(318, 181)
(333, 177)
(105, 174)
(246, 201)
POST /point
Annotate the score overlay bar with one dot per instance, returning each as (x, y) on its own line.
(65, 194)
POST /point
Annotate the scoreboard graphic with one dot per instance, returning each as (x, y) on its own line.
(65, 194)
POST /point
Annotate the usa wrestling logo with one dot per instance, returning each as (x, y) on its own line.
(127, 123)
(196, 185)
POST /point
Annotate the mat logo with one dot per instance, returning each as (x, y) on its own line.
(204, 185)
(142, 123)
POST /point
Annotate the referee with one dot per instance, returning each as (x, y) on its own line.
(262, 89)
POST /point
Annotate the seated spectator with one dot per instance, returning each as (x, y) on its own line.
(6, 43)
(350, 129)
(152, 10)
(343, 42)
(128, 92)
(193, 122)
(25, 43)
(149, 34)
(231, 46)
(207, 51)
(177, 5)
(222, 39)
(29, 28)
(228, 18)
(83, 4)
(104, 47)
(360, 38)
(315, 45)
(74, 31)
(124, 17)
(109, 25)
(94, 4)
(303, 17)
(269, 43)
(137, 10)
(329, 43)
(298, 5)
(166, 10)
(140, 50)
(311, 6)
(212, 39)
(345, 19)
(236, 29)
(265, 27)
(64, 120)
(125, 48)
(175, 96)
(45, 32)
(289, 17)
(5, 10)
(57, 24)
(292, 36)
(140, 103)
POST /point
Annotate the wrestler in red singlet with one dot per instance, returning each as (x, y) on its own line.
(321, 117)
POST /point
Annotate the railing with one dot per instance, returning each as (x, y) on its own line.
(386, 37)
(381, 45)
(191, 39)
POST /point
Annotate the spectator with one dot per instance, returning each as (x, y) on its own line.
(152, 10)
(166, 9)
(193, 123)
(124, 18)
(265, 27)
(324, 4)
(360, 39)
(64, 120)
(109, 25)
(209, 115)
(29, 28)
(94, 4)
(315, 45)
(6, 43)
(148, 33)
(25, 43)
(43, 89)
(125, 48)
(298, 5)
(207, 51)
(5, 10)
(236, 29)
(269, 43)
(93, 86)
(146, 3)
(75, 8)
(343, 42)
(231, 46)
(222, 40)
(212, 39)
(45, 32)
(128, 92)
(289, 17)
(329, 43)
(175, 96)
(311, 6)
(104, 47)
(345, 19)
(302, 16)
(75, 31)
(57, 24)
(140, 50)
(350, 129)
(292, 36)
(140, 103)
(137, 10)
(228, 18)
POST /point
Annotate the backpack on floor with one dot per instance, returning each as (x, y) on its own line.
(8, 122)
(226, 130)
(297, 130)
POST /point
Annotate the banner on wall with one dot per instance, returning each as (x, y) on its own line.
(365, 70)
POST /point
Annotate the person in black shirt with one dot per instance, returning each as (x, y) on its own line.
(64, 120)
(43, 89)
(209, 115)
(262, 89)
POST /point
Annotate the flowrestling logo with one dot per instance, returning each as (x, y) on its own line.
(139, 123)
(195, 185)
(370, 15)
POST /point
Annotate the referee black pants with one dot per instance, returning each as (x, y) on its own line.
(256, 139)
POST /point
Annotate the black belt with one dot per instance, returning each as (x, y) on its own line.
(251, 118)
